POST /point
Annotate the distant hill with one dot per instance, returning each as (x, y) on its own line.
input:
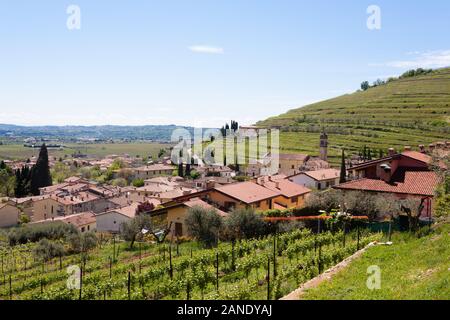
(151, 132)
(408, 111)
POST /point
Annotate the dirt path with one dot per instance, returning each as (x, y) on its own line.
(326, 276)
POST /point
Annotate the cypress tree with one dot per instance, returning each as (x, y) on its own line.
(40, 176)
(343, 176)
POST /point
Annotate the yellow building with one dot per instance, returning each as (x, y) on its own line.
(9, 215)
(176, 213)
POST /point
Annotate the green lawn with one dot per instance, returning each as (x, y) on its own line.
(410, 269)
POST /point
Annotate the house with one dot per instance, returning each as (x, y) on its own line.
(291, 195)
(292, 163)
(243, 195)
(9, 215)
(111, 220)
(84, 221)
(153, 170)
(318, 179)
(176, 213)
(403, 175)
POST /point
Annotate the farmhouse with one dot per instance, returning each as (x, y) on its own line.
(404, 175)
(318, 179)
(153, 170)
(84, 221)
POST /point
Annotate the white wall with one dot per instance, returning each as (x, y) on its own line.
(110, 222)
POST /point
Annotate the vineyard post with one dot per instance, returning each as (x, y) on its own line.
(104, 294)
(10, 288)
(110, 267)
(60, 262)
(128, 285)
(318, 225)
(178, 250)
(390, 230)
(217, 271)
(170, 262)
(114, 247)
(344, 235)
(232, 255)
(319, 260)
(81, 281)
(140, 258)
(188, 289)
(191, 252)
(357, 245)
(268, 277)
(274, 255)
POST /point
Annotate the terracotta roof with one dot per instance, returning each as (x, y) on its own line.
(323, 174)
(284, 187)
(418, 156)
(79, 219)
(247, 192)
(404, 182)
(197, 202)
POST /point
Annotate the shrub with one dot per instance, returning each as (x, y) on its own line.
(244, 224)
(46, 250)
(36, 232)
(137, 183)
(82, 242)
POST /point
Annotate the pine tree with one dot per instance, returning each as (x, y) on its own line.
(40, 176)
(343, 176)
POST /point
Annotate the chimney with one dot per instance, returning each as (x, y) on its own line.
(431, 147)
(422, 148)
(391, 151)
(407, 148)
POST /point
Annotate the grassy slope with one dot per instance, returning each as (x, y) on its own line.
(410, 269)
(410, 111)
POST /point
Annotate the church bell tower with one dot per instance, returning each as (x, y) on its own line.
(324, 146)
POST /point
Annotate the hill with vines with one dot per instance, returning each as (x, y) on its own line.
(410, 110)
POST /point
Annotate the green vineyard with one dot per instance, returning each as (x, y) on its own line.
(265, 268)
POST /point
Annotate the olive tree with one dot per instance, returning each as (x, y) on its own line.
(204, 225)
(244, 224)
(132, 230)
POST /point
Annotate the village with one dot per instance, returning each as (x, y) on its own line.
(158, 189)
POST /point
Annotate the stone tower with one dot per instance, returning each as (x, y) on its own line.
(324, 146)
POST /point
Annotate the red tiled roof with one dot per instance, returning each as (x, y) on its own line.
(285, 187)
(404, 182)
(417, 156)
(247, 192)
(197, 202)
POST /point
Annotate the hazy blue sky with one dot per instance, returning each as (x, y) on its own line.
(202, 62)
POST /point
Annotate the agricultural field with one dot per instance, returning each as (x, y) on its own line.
(98, 150)
(411, 269)
(265, 268)
(410, 111)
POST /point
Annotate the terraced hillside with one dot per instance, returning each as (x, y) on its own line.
(408, 111)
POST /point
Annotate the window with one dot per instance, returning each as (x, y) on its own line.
(258, 204)
(82, 229)
(292, 167)
(294, 199)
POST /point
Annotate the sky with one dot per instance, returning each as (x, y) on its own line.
(203, 62)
